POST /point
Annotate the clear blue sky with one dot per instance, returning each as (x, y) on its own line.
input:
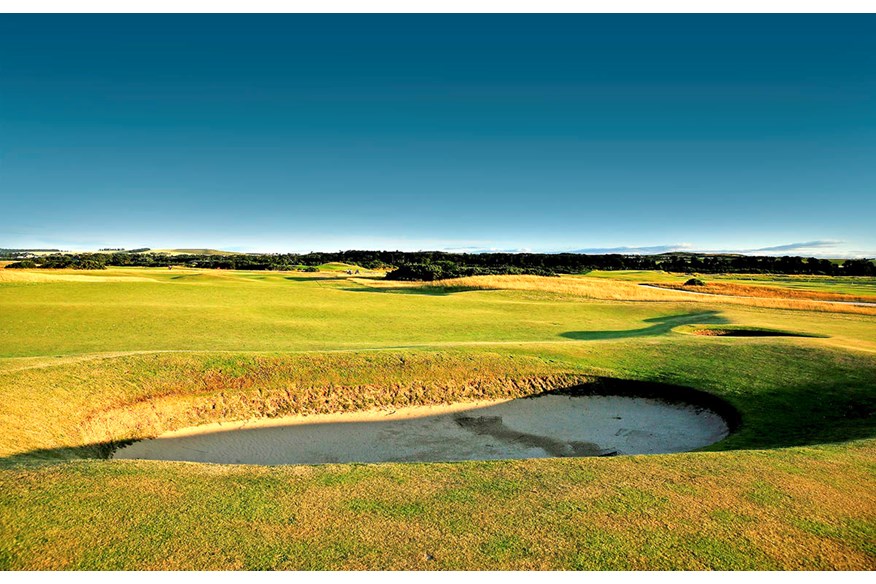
(298, 133)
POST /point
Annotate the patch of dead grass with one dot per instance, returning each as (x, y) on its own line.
(607, 289)
(762, 291)
(87, 276)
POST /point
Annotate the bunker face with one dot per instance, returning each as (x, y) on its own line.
(545, 426)
(744, 332)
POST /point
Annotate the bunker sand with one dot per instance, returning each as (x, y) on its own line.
(544, 426)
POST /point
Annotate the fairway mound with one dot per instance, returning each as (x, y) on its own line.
(741, 331)
(605, 418)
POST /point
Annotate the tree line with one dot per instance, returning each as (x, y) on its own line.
(436, 265)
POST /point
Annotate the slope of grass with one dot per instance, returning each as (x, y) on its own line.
(62, 410)
(87, 363)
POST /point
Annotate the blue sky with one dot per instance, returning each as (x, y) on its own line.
(544, 133)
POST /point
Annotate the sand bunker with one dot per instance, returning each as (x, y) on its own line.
(738, 331)
(544, 426)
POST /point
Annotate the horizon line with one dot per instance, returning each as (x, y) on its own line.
(633, 251)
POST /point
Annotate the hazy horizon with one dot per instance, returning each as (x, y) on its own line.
(817, 249)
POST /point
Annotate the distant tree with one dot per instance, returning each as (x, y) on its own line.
(859, 267)
(416, 272)
(90, 263)
(23, 264)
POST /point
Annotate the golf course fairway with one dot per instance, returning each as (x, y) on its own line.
(92, 362)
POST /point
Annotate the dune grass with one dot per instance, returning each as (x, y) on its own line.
(851, 285)
(88, 363)
(764, 291)
(620, 289)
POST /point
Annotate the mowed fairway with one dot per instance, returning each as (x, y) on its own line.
(89, 360)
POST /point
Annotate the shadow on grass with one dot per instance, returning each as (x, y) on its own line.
(745, 331)
(784, 416)
(315, 278)
(49, 456)
(420, 290)
(661, 325)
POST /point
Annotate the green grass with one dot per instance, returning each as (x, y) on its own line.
(86, 364)
(185, 310)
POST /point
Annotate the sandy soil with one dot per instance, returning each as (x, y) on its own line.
(546, 426)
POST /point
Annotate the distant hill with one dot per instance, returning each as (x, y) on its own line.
(700, 254)
(197, 251)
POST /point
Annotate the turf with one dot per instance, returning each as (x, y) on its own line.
(86, 364)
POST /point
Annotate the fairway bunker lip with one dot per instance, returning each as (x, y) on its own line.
(740, 331)
(607, 417)
(664, 392)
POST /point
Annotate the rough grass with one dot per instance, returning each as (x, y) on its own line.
(607, 289)
(763, 291)
(792, 509)
(852, 285)
(88, 364)
(569, 286)
(35, 277)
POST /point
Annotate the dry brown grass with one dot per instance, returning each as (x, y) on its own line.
(31, 277)
(605, 289)
(595, 289)
(789, 509)
(767, 292)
